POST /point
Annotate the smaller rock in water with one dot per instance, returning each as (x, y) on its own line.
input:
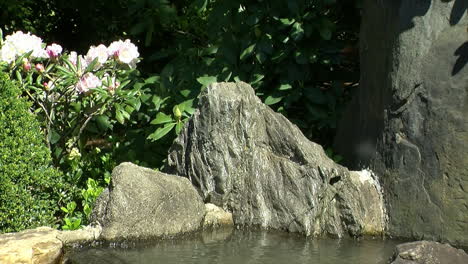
(428, 252)
(216, 217)
(141, 203)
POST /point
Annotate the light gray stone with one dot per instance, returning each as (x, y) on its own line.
(428, 252)
(253, 162)
(86, 234)
(32, 246)
(142, 204)
(216, 217)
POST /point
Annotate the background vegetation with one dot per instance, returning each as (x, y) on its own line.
(299, 55)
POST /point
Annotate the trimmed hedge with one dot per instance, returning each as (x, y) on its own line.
(29, 186)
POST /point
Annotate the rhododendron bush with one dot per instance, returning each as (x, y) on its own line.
(70, 90)
(79, 98)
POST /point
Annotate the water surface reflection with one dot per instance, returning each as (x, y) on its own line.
(250, 247)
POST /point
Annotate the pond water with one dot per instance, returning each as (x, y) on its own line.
(239, 247)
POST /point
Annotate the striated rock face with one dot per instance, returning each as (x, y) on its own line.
(32, 246)
(409, 119)
(141, 203)
(253, 162)
(428, 252)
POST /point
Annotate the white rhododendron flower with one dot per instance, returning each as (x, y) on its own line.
(99, 52)
(86, 82)
(20, 43)
(54, 50)
(125, 52)
(8, 53)
(73, 58)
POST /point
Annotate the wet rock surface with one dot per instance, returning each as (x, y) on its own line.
(409, 118)
(253, 162)
(428, 252)
(141, 203)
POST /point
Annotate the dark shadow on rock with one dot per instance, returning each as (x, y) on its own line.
(462, 53)
(414, 9)
(460, 7)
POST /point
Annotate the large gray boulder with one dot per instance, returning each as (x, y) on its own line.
(253, 162)
(428, 252)
(409, 119)
(141, 203)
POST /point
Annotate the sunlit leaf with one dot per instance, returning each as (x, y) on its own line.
(270, 100)
(247, 52)
(161, 132)
(162, 118)
(206, 80)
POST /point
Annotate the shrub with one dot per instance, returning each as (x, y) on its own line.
(30, 188)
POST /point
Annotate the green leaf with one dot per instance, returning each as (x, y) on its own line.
(270, 100)
(247, 52)
(161, 132)
(297, 32)
(162, 118)
(287, 21)
(18, 76)
(284, 87)
(92, 65)
(206, 80)
(54, 137)
(200, 5)
(64, 70)
(257, 78)
(119, 116)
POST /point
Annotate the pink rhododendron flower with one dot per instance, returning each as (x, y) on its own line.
(20, 43)
(99, 52)
(86, 82)
(54, 50)
(125, 52)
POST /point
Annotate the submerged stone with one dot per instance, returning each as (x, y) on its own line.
(253, 162)
(141, 203)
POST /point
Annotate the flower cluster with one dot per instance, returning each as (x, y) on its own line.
(103, 58)
(20, 43)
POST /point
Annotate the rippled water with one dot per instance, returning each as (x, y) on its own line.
(239, 247)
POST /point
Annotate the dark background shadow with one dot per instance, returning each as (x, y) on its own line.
(462, 52)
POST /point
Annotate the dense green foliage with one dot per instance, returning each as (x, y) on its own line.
(30, 188)
(299, 55)
(292, 52)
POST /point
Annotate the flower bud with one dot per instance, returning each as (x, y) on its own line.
(177, 113)
(26, 65)
(40, 68)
